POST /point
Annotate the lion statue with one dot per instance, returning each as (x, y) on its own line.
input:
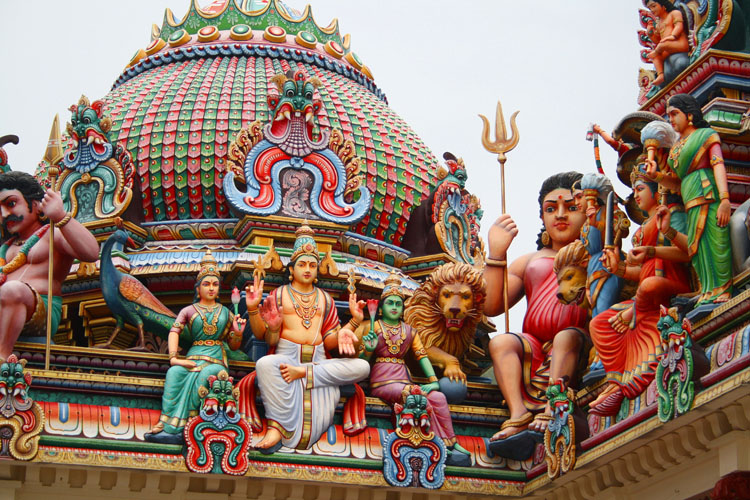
(445, 310)
(570, 267)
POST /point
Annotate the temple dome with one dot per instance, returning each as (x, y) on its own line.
(180, 102)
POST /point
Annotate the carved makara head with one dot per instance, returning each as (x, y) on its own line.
(219, 398)
(87, 122)
(294, 109)
(413, 418)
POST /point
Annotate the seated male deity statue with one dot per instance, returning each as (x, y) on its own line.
(299, 385)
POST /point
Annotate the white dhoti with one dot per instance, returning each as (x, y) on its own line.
(303, 410)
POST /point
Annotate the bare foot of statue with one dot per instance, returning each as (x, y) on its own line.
(658, 80)
(541, 420)
(621, 321)
(513, 426)
(271, 438)
(610, 389)
(724, 297)
(290, 373)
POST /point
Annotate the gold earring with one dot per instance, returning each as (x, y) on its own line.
(315, 280)
(545, 238)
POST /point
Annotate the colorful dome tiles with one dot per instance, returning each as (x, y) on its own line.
(178, 109)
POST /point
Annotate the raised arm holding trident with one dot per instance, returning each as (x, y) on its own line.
(501, 145)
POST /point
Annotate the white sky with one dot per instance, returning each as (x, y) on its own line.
(562, 63)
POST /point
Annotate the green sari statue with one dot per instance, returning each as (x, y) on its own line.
(694, 159)
(211, 328)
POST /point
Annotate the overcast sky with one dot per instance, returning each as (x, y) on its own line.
(563, 64)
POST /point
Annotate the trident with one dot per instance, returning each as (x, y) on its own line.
(501, 145)
(53, 156)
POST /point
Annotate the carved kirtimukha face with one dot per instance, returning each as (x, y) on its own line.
(305, 270)
(562, 215)
(392, 309)
(456, 301)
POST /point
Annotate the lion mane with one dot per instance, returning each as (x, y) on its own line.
(423, 313)
(573, 254)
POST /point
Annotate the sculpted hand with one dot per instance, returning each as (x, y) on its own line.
(651, 169)
(356, 308)
(254, 294)
(638, 255)
(591, 214)
(610, 258)
(239, 325)
(663, 218)
(370, 341)
(52, 206)
(454, 373)
(346, 342)
(187, 363)
(271, 314)
(428, 388)
(501, 235)
(722, 215)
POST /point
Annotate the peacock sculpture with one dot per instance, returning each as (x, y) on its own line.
(129, 299)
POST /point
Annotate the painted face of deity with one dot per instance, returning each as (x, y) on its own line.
(655, 8)
(678, 119)
(208, 289)
(305, 270)
(17, 216)
(392, 309)
(562, 215)
(644, 197)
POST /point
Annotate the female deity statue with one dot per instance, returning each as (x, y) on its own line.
(553, 339)
(390, 340)
(701, 178)
(626, 336)
(208, 325)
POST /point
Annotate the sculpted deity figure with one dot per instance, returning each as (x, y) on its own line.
(626, 336)
(299, 386)
(672, 34)
(523, 362)
(701, 178)
(26, 211)
(208, 325)
(604, 288)
(390, 340)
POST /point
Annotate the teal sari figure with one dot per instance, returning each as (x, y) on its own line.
(211, 328)
(702, 181)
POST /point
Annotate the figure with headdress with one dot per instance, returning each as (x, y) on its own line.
(603, 287)
(210, 327)
(626, 336)
(390, 379)
(697, 172)
(299, 386)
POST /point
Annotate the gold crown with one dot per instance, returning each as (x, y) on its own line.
(209, 266)
(304, 244)
(393, 287)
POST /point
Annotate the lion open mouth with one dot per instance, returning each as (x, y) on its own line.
(454, 322)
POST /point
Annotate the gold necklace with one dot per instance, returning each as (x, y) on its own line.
(209, 328)
(389, 332)
(306, 310)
